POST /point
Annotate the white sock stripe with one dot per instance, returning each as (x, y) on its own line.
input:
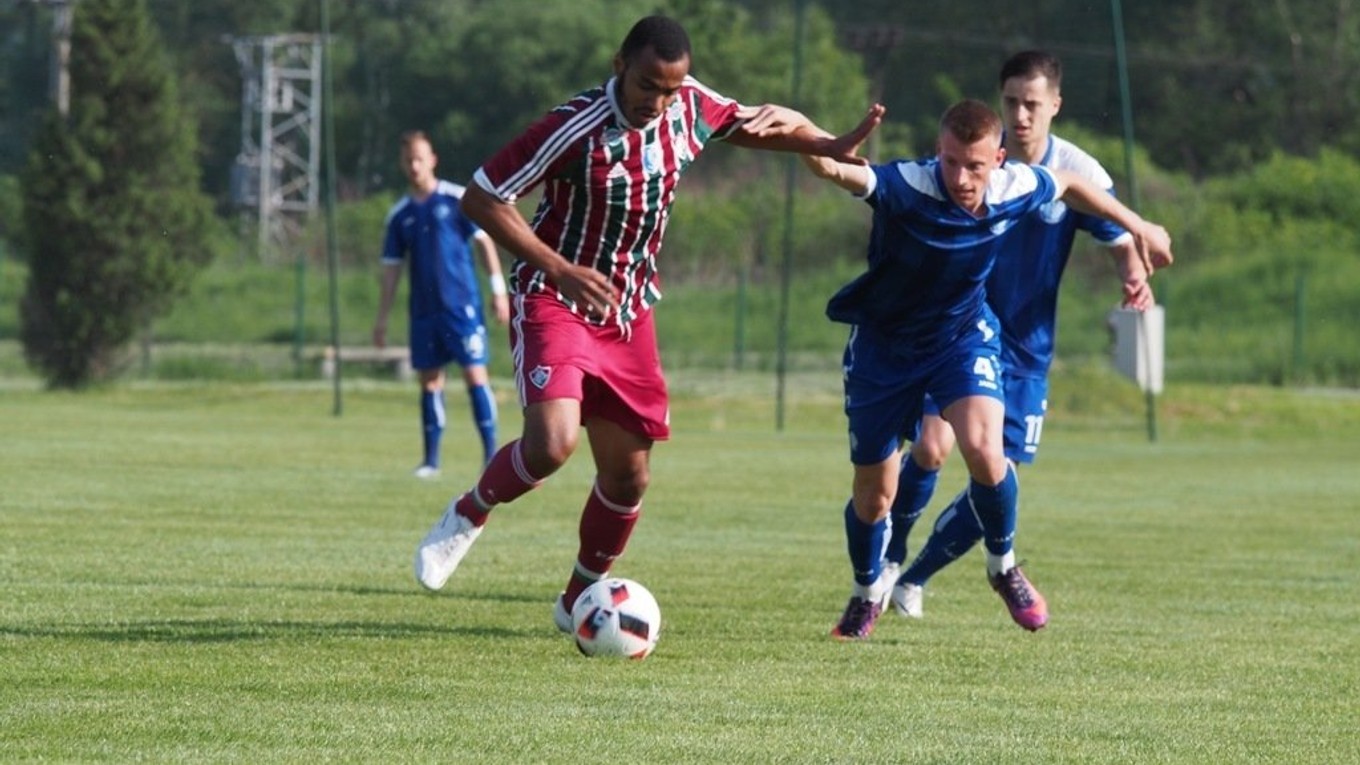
(517, 462)
(616, 507)
(477, 500)
(438, 406)
(586, 573)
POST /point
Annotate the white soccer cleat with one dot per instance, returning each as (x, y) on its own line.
(426, 472)
(443, 548)
(909, 600)
(561, 616)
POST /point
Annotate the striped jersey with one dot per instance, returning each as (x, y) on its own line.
(1023, 287)
(436, 236)
(607, 186)
(929, 259)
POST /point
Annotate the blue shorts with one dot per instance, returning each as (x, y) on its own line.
(437, 341)
(1026, 403)
(885, 391)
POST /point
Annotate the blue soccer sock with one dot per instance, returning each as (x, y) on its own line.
(865, 542)
(484, 415)
(956, 531)
(432, 423)
(996, 508)
(915, 486)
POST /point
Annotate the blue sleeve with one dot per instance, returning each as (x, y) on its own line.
(1046, 189)
(465, 226)
(891, 194)
(1101, 229)
(393, 246)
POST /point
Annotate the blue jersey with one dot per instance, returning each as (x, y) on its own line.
(1023, 287)
(435, 236)
(929, 259)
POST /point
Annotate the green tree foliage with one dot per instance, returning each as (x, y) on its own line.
(113, 211)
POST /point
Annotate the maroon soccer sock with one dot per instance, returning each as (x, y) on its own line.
(505, 478)
(467, 507)
(605, 528)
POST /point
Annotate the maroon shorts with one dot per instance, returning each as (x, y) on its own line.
(614, 373)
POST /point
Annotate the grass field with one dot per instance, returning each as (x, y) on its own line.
(221, 573)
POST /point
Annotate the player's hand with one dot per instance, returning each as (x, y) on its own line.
(845, 148)
(1154, 247)
(1137, 295)
(589, 289)
(500, 304)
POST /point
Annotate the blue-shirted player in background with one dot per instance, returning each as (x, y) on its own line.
(1023, 292)
(921, 326)
(428, 229)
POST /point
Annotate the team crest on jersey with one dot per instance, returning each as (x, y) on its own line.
(1053, 211)
(442, 211)
(540, 375)
(680, 147)
(653, 159)
(1000, 227)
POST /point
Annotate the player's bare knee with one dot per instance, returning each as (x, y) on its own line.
(986, 463)
(544, 456)
(625, 485)
(930, 454)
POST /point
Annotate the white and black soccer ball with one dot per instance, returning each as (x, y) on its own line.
(616, 617)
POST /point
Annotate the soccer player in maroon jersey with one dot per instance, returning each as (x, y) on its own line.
(585, 281)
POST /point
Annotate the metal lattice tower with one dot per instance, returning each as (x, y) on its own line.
(59, 81)
(277, 169)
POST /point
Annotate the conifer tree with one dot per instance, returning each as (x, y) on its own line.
(113, 211)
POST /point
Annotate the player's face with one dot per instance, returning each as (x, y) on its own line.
(418, 162)
(966, 168)
(647, 85)
(1028, 107)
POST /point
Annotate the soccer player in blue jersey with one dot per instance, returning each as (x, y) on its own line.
(1023, 292)
(920, 325)
(428, 229)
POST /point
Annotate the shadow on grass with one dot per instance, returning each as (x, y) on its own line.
(236, 630)
(412, 590)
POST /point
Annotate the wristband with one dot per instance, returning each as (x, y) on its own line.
(497, 285)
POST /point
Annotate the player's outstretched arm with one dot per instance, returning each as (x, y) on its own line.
(852, 178)
(1153, 243)
(1133, 278)
(779, 128)
(500, 300)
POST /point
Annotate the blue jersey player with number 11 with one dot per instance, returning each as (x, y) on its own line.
(1023, 291)
(920, 325)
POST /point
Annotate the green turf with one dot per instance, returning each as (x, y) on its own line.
(221, 573)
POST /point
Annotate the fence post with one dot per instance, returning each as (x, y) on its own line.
(1300, 290)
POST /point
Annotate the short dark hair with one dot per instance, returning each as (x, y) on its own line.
(662, 34)
(970, 121)
(1030, 64)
